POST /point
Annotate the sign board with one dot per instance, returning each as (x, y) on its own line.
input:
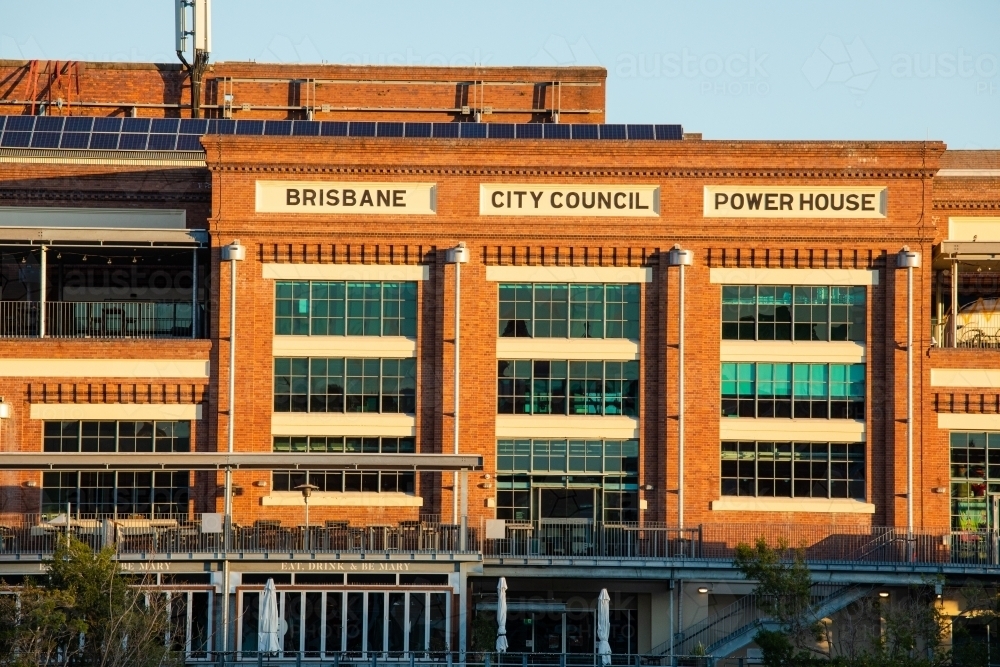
(353, 198)
(597, 201)
(755, 201)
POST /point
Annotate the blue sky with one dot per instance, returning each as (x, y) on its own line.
(731, 70)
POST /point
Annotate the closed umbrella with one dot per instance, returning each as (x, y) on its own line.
(502, 615)
(267, 637)
(603, 627)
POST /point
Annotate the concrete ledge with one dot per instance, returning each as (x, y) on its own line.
(572, 349)
(968, 422)
(965, 377)
(825, 505)
(566, 426)
(344, 346)
(805, 351)
(341, 423)
(388, 272)
(116, 411)
(104, 368)
(794, 276)
(568, 274)
(341, 499)
(791, 430)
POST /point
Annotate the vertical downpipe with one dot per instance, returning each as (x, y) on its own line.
(680, 258)
(42, 287)
(910, 260)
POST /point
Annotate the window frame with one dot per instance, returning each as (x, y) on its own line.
(811, 390)
(578, 314)
(345, 311)
(793, 466)
(296, 385)
(838, 311)
(614, 392)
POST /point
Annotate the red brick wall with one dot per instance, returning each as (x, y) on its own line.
(351, 92)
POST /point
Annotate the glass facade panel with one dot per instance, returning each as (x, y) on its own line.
(810, 391)
(325, 308)
(783, 312)
(561, 310)
(975, 479)
(345, 385)
(793, 470)
(568, 387)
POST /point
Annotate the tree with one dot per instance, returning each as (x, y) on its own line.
(85, 611)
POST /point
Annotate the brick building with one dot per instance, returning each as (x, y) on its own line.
(665, 346)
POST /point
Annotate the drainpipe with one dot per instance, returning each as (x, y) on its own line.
(680, 258)
(909, 260)
(458, 255)
(231, 253)
(42, 288)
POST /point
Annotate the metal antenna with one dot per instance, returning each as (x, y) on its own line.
(201, 20)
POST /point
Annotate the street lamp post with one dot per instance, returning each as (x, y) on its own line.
(306, 490)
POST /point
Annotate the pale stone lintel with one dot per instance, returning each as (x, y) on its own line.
(563, 426)
(338, 499)
(835, 352)
(792, 430)
(568, 274)
(105, 368)
(115, 411)
(381, 272)
(828, 506)
(968, 422)
(351, 423)
(574, 349)
(793, 276)
(344, 346)
(965, 377)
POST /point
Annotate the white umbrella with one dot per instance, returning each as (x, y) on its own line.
(502, 615)
(603, 627)
(267, 635)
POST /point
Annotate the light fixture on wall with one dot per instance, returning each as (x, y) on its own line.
(703, 589)
(31, 484)
(648, 487)
(883, 594)
(940, 489)
(261, 483)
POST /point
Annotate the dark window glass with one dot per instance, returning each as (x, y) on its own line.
(800, 470)
(335, 308)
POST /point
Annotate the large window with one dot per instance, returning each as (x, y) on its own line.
(817, 391)
(603, 473)
(117, 436)
(784, 312)
(526, 387)
(344, 445)
(975, 478)
(344, 385)
(322, 308)
(122, 493)
(793, 470)
(339, 480)
(563, 310)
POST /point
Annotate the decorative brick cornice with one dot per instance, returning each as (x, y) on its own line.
(965, 205)
(38, 194)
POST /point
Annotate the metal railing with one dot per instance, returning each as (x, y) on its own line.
(100, 319)
(168, 534)
(450, 658)
(587, 540)
(976, 336)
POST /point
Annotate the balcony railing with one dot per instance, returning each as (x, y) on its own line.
(100, 319)
(36, 534)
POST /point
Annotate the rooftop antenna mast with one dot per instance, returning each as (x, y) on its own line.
(193, 22)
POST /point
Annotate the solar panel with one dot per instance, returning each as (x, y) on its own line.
(108, 142)
(15, 139)
(417, 130)
(305, 128)
(250, 127)
(334, 129)
(135, 125)
(446, 130)
(554, 131)
(277, 128)
(162, 142)
(107, 125)
(165, 125)
(45, 140)
(49, 124)
(20, 123)
(472, 130)
(361, 129)
(529, 131)
(184, 134)
(387, 129)
(78, 124)
(75, 140)
(613, 132)
(501, 130)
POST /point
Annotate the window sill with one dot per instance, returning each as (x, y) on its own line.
(822, 505)
(343, 346)
(342, 499)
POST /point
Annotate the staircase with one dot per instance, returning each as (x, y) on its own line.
(734, 626)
